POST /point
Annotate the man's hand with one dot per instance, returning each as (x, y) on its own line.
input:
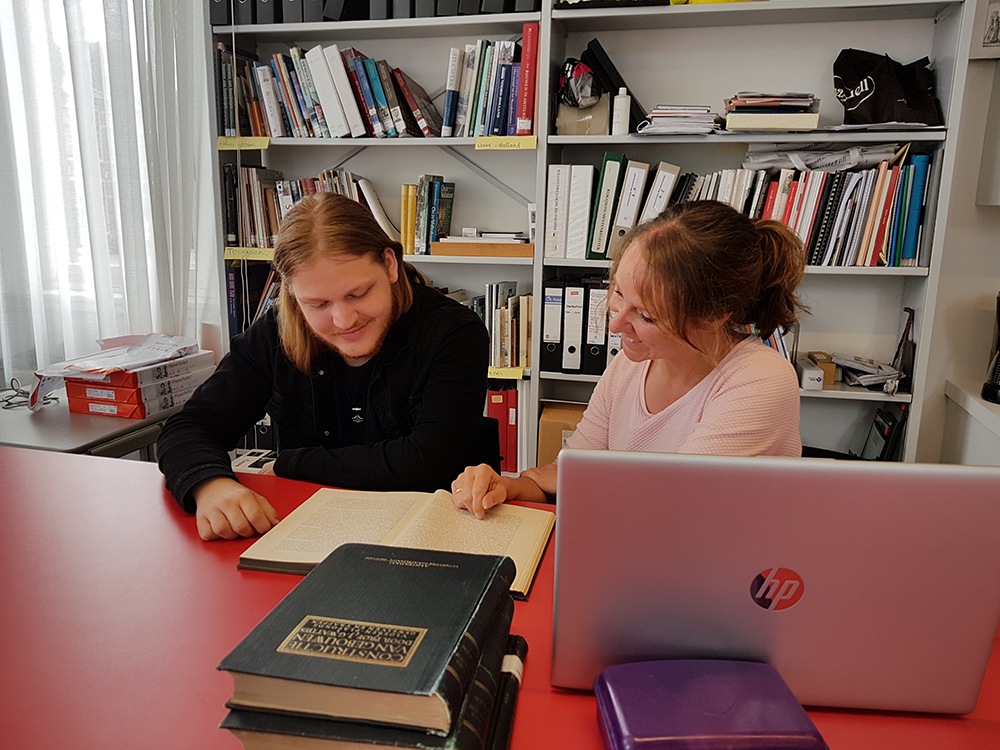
(227, 510)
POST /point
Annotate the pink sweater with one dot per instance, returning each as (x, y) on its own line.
(747, 406)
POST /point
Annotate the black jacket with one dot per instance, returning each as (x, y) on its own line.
(427, 392)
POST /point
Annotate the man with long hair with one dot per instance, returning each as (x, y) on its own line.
(372, 380)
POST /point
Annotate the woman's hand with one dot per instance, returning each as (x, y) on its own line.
(227, 510)
(477, 489)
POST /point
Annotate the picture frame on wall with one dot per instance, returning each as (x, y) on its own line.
(986, 33)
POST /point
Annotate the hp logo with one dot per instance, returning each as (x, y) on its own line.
(777, 588)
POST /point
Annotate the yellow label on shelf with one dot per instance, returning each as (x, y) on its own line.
(249, 253)
(505, 373)
(242, 142)
(506, 142)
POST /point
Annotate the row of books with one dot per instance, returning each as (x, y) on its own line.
(872, 216)
(375, 648)
(322, 92)
(507, 317)
(326, 92)
(255, 199)
(312, 11)
(490, 87)
(426, 209)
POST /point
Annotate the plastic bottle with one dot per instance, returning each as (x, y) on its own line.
(620, 112)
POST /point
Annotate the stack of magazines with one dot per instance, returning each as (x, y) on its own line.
(679, 119)
(864, 371)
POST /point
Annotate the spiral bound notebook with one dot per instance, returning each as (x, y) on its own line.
(865, 584)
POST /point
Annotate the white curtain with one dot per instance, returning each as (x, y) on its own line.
(108, 220)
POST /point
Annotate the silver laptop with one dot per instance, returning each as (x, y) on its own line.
(865, 584)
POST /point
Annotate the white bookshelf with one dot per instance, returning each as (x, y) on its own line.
(688, 53)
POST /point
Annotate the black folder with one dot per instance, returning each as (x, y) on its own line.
(595, 328)
(424, 8)
(291, 11)
(245, 11)
(218, 12)
(402, 8)
(269, 11)
(312, 10)
(550, 359)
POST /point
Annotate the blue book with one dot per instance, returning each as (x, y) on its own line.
(500, 100)
(378, 94)
(434, 206)
(369, 97)
(915, 210)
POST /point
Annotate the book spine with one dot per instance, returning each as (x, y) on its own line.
(445, 202)
(346, 91)
(465, 87)
(511, 673)
(411, 101)
(914, 212)
(320, 127)
(501, 95)
(378, 94)
(456, 57)
(366, 92)
(526, 89)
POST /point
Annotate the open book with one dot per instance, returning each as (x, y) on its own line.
(422, 520)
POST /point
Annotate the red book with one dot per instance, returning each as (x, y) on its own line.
(509, 462)
(424, 112)
(886, 213)
(793, 190)
(529, 66)
(496, 408)
(772, 195)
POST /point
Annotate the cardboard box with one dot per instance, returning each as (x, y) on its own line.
(555, 424)
(824, 361)
(147, 394)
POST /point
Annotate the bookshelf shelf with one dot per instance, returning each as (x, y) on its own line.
(917, 271)
(489, 24)
(467, 260)
(935, 135)
(856, 393)
(569, 377)
(747, 14)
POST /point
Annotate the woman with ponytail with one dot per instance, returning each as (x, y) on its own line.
(686, 290)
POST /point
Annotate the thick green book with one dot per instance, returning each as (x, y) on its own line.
(483, 713)
(382, 634)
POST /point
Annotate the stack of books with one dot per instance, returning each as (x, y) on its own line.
(383, 647)
(679, 119)
(752, 110)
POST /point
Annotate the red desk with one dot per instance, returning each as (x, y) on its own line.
(115, 615)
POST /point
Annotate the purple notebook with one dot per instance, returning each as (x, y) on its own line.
(698, 704)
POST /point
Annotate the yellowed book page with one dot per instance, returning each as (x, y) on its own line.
(520, 533)
(330, 518)
(423, 520)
